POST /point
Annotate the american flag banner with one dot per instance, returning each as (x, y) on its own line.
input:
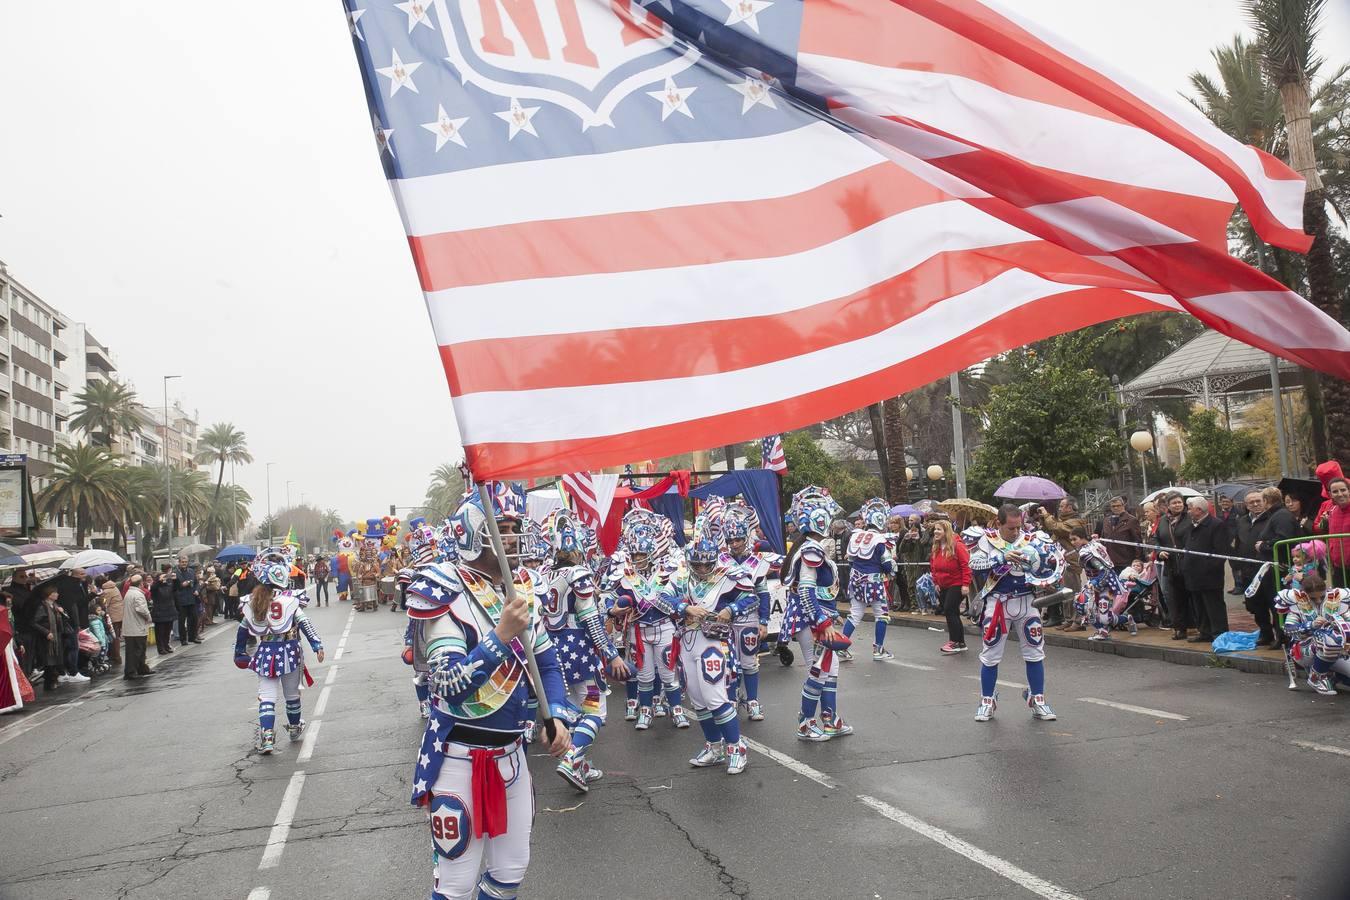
(646, 229)
(591, 495)
(771, 454)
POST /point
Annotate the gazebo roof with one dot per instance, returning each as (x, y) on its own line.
(1230, 366)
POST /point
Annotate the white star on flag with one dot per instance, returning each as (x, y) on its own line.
(518, 118)
(353, 16)
(424, 760)
(382, 136)
(746, 11)
(417, 14)
(400, 74)
(753, 92)
(420, 785)
(437, 592)
(672, 99)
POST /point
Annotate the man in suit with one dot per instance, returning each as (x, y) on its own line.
(1203, 574)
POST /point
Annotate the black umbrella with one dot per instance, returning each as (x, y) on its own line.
(1307, 490)
(1234, 492)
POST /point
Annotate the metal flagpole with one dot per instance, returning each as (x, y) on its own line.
(509, 580)
(958, 438)
(1276, 393)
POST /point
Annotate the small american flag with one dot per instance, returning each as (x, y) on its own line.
(771, 454)
(591, 495)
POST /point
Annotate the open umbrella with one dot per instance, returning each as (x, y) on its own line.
(236, 551)
(86, 558)
(10, 557)
(42, 554)
(1233, 491)
(904, 509)
(972, 510)
(1183, 491)
(194, 549)
(1307, 490)
(1029, 487)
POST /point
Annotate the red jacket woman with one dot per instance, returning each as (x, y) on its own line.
(950, 567)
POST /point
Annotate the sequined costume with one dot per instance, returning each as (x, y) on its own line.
(471, 771)
(1101, 602)
(1318, 637)
(812, 581)
(1013, 570)
(278, 660)
(871, 566)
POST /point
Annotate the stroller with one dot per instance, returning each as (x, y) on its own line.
(94, 643)
(1140, 601)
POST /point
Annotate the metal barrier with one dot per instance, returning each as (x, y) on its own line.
(1282, 557)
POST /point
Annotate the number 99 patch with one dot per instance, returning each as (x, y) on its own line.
(714, 665)
(449, 825)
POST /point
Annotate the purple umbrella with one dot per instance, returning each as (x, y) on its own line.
(904, 509)
(1029, 487)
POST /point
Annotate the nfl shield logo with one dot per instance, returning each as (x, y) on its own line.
(582, 55)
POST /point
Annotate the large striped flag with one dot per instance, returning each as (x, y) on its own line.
(644, 229)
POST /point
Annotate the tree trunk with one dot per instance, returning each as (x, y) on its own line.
(1298, 127)
(893, 423)
(1335, 397)
(879, 443)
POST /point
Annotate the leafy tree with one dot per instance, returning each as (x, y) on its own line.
(313, 526)
(1054, 417)
(105, 409)
(228, 511)
(222, 443)
(1214, 453)
(85, 487)
(848, 480)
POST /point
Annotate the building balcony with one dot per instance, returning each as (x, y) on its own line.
(61, 349)
(99, 358)
(64, 439)
(61, 378)
(5, 384)
(61, 409)
(4, 345)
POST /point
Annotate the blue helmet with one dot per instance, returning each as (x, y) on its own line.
(468, 526)
(875, 512)
(813, 509)
(705, 552)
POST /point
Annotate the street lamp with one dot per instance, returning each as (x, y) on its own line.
(288, 493)
(168, 484)
(935, 472)
(1142, 441)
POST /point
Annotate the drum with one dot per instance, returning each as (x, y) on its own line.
(388, 585)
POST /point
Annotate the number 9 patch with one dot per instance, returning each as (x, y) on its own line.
(450, 828)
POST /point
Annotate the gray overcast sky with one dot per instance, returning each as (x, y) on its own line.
(199, 183)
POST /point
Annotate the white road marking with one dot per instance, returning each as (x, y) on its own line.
(1142, 710)
(332, 675)
(281, 827)
(323, 701)
(338, 654)
(260, 893)
(995, 864)
(910, 665)
(998, 866)
(800, 768)
(41, 717)
(1309, 745)
(307, 745)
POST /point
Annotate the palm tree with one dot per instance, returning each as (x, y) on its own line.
(84, 486)
(143, 489)
(105, 409)
(1287, 32)
(222, 443)
(445, 490)
(229, 509)
(190, 499)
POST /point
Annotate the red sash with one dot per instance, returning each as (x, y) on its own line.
(489, 793)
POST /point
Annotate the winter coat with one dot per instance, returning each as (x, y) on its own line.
(1124, 527)
(137, 620)
(1172, 536)
(112, 599)
(1200, 572)
(47, 621)
(162, 605)
(73, 595)
(186, 588)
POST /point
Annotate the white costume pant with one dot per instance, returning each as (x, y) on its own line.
(746, 646)
(1000, 619)
(706, 666)
(864, 593)
(459, 854)
(656, 641)
(287, 685)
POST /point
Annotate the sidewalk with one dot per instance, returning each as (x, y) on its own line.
(1150, 643)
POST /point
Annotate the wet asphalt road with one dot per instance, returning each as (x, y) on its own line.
(150, 790)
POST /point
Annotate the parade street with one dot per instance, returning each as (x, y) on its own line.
(1157, 780)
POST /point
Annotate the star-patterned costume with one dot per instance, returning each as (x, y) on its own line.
(871, 565)
(1013, 570)
(278, 659)
(1318, 637)
(1102, 601)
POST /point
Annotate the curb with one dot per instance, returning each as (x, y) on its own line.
(1177, 656)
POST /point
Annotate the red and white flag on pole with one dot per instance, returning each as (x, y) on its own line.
(772, 456)
(646, 229)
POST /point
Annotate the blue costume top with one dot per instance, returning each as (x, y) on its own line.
(479, 684)
(867, 554)
(278, 633)
(758, 567)
(576, 625)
